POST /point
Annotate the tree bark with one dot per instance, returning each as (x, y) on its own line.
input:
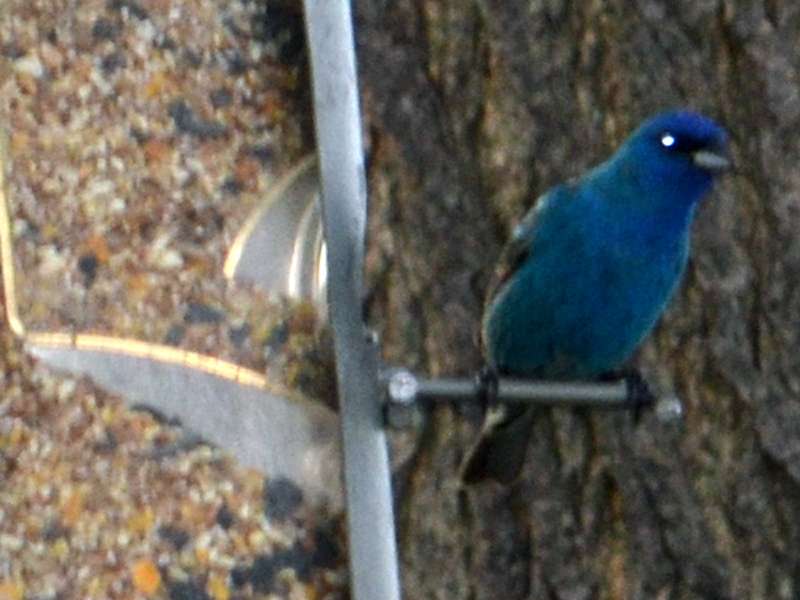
(473, 110)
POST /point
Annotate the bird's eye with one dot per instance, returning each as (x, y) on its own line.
(668, 140)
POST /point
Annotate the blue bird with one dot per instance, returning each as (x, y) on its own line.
(589, 271)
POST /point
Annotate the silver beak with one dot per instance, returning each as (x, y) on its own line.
(711, 160)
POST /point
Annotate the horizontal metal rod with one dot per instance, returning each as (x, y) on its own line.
(540, 392)
(405, 392)
(403, 388)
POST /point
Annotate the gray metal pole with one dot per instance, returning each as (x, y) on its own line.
(372, 542)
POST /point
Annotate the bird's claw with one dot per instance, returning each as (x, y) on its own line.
(486, 387)
(640, 396)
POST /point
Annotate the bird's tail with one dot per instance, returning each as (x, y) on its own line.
(501, 449)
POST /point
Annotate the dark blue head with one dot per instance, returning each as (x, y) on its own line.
(676, 155)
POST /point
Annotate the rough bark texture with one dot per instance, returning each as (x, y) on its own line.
(473, 110)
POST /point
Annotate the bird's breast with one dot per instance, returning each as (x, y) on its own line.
(583, 301)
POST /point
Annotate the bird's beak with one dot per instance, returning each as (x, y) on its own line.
(714, 161)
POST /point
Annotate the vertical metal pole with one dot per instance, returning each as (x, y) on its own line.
(373, 547)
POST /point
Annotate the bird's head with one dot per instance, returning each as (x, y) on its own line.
(678, 153)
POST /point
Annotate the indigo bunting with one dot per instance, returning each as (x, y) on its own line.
(590, 269)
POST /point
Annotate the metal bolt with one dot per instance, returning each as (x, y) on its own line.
(401, 410)
(669, 409)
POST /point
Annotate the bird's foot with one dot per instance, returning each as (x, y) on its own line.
(486, 387)
(640, 396)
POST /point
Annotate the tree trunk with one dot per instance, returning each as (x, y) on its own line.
(473, 110)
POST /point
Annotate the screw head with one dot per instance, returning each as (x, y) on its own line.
(403, 387)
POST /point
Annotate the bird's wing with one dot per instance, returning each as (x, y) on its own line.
(514, 254)
(523, 244)
(518, 248)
